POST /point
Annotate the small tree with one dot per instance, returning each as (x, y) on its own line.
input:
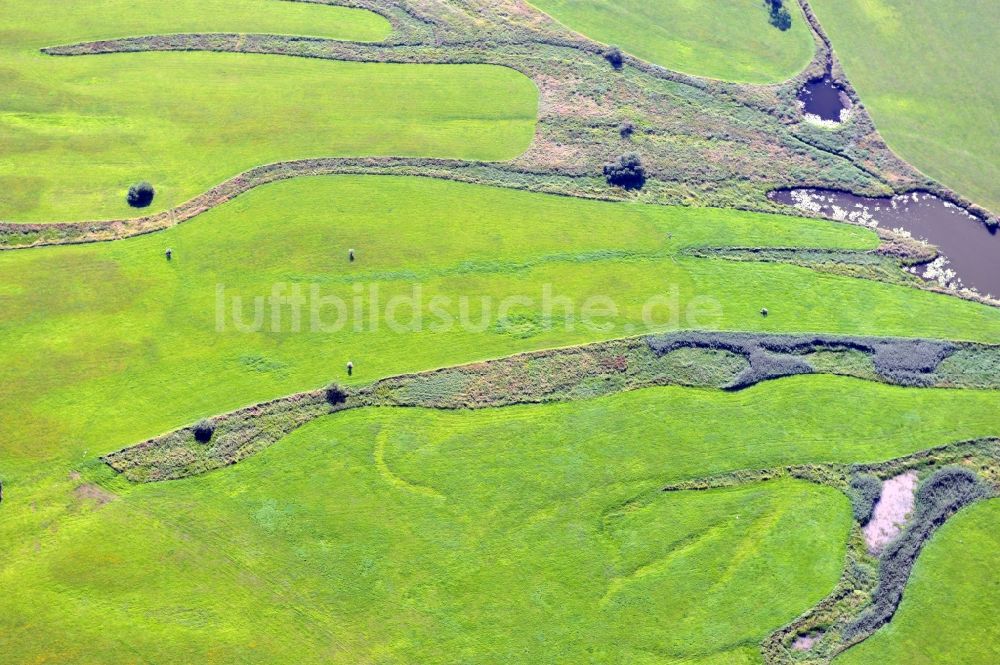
(780, 18)
(614, 55)
(626, 129)
(626, 172)
(203, 431)
(335, 394)
(140, 194)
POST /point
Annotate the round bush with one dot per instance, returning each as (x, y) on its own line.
(140, 194)
(203, 431)
(626, 172)
(865, 491)
(615, 57)
(335, 394)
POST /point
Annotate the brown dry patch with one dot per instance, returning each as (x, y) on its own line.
(95, 493)
(523, 14)
(522, 8)
(546, 153)
(560, 96)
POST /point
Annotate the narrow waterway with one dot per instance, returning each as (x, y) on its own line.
(970, 251)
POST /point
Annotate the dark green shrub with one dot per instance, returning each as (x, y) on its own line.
(864, 491)
(906, 362)
(910, 362)
(335, 394)
(626, 129)
(626, 172)
(780, 18)
(614, 56)
(203, 431)
(765, 365)
(140, 194)
(949, 489)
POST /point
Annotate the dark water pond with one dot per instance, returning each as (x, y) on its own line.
(823, 98)
(971, 251)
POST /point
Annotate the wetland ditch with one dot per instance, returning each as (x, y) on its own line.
(969, 248)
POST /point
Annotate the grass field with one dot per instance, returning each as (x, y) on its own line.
(927, 73)
(106, 344)
(48, 22)
(724, 39)
(949, 612)
(503, 535)
(525, 534)
(77, 131)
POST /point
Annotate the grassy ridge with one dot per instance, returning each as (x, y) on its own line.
(531, 533)
(722, 39)
(77, 131)
(927, 73)
(948, 612)
(104, 345)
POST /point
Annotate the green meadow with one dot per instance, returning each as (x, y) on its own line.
(107, 344)
(44, 23)
(948, 614)
(77, 131)
(523, 534)
(723, 39)
(928, 73)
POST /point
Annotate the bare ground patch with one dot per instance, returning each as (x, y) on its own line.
(804, 642)
(94, 493)
(891, 511)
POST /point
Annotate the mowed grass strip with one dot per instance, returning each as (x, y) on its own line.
(78, 131)
(723, 39)
(107, 344)
(948, 614)
(530, 534)
(928, 73)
